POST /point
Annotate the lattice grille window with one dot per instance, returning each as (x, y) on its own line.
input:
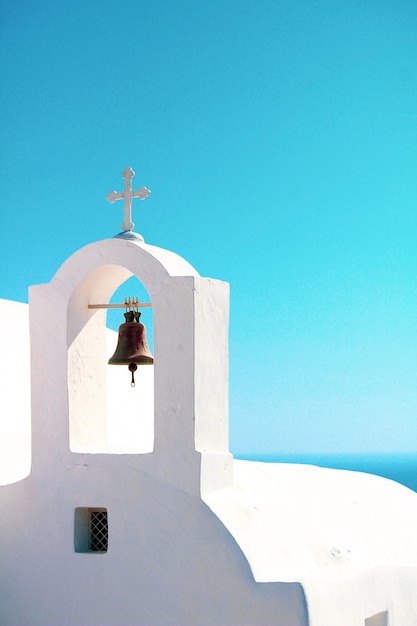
(99, 531)
(91, 530)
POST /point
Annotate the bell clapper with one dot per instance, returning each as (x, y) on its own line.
(132, 368)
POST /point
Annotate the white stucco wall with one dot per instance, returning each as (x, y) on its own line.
(348, 537)
(15, 416)
(194, 538)
(170, 560)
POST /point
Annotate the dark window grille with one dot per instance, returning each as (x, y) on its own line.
(99, 531)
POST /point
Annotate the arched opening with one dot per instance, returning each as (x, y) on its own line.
(130, 410)
(107, 415)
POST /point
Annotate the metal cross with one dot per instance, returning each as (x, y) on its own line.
(127, 196)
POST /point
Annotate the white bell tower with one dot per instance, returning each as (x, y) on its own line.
(190, 360)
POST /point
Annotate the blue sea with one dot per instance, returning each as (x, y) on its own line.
(399, 467)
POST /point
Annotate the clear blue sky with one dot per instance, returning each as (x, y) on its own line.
(279, 139)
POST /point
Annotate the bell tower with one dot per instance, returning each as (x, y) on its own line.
(69, 362)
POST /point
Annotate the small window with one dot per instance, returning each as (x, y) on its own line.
(91, 530)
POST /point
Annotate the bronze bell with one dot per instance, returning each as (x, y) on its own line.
(132, 347)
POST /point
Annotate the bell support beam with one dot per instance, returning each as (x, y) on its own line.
(135, 304)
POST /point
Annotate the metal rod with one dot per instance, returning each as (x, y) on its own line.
(125, 305)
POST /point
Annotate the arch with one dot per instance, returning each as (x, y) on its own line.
(152, 265)
(190, 351)
(95, 390)
(105, 413)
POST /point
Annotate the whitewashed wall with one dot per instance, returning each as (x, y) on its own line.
(170, 560)
(194, 538)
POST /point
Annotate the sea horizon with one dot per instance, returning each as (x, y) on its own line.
(398, 466)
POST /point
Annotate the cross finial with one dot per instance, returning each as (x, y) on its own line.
(127, 196)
